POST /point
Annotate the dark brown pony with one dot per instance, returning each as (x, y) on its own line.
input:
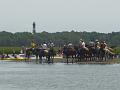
(40, 53)
(92, 53)
(69, 52)
(28, 53)
(82, 54)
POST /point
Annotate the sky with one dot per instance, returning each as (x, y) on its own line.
(60, 15)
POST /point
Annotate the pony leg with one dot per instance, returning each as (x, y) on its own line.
(40, 59)
(36, 58)
(72, 59)
(48, 59)
(52, 59)
(67, 59)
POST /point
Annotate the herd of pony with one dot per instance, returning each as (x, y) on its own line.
(74, 53)
(90, 54)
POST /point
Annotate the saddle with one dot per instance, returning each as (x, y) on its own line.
(46, 51)
(86, 49)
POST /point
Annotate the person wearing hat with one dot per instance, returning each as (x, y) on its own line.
(44, 46)
(91, 43)
(33, 44)
(103, 45)
(82, 43)
(70, 44)
(97, 44)
(52, 44)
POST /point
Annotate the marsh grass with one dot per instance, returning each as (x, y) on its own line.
(9, 50)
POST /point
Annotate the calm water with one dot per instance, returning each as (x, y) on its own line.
(59, 76)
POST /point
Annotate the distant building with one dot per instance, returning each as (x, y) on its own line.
(34, 28)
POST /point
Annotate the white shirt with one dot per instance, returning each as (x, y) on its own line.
(70, 44)
(51, 44)
(44, 46)
(82, 44)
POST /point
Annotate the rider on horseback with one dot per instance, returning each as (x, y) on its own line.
(51, 44)
(44, 46)
(91, 44)
(70, 45)
(82, 44)
(33, 45)
(105, 47)
(97, 44)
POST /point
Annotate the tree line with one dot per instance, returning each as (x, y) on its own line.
(18, 39)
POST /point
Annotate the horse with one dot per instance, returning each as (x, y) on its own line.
(91, 52)
(28, 53)
(82, 53)
(69, 52)
(40, 53)
(59, 52)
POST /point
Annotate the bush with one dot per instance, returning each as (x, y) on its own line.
(117, 50)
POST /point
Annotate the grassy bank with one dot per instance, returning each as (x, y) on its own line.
(10, 50)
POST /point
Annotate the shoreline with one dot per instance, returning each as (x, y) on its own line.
(63, 60)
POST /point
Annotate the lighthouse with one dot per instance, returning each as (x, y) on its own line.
(34, 28)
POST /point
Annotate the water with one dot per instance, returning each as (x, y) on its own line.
(59, 76)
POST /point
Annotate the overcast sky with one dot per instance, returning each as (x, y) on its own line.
(60, 15)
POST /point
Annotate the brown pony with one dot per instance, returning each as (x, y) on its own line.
(49, 54)
(69, 52)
